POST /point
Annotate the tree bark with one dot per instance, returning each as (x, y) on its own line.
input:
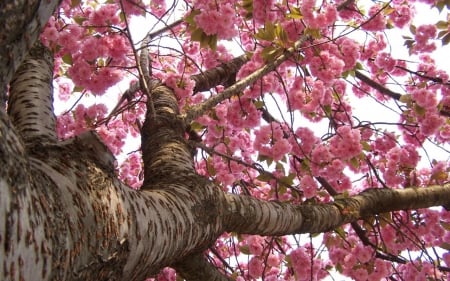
(21, 22)
(65, 216)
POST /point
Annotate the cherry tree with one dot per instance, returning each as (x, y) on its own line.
(254, 140)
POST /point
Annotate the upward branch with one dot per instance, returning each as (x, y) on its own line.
(30, 104)
(166, 154)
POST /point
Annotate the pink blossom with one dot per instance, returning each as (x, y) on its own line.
(376, 20)
(401, 16)
(255, 267)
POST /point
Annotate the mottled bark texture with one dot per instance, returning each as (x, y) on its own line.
(21, 22)
(65, 216)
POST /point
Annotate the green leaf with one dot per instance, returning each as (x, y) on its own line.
(265, 177)
(281, 34)
(406, 98)
(446, 39)
(294, 14)
(79, 20)
(244, 249)
(78, 89)
(212, 42)
(258, 104)
(419, 110)
(75, 3)
(366, 146)
(197, 35)
(269, 53)
(197, 127)
(341, 232)
(67, 58)
(267, 33)
(354, 162)
(289, 179)
(445, 246)
(314, 33)
(442, 25)
(190, 18)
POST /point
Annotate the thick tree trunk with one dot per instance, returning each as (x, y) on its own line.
(65, 216)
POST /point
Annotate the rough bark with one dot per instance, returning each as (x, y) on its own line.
(30, 103)
(250, 215)
(65, 216)
(21, 22)
(224, 74)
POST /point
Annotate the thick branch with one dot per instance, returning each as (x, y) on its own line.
(224, 74)
(166, 154)
(249, 215)
(197, 268)
(22, 23)
(30, 104)
(240, 85)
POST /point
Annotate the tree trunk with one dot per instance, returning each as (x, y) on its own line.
(65, 215)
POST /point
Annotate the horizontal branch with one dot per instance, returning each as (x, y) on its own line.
(252, 216)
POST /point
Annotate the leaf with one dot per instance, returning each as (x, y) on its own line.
(341, 232)
(419, 110)
(190, 18)
(446, 39)
(294, 14)
(79, 20)
(269, 53)
(264, 177)
(442, 25)
(258, 104)
(445, 246)
(245, 249)
(78, 89)
(282, 36)
(314, 33)
(366, 146)
(289, 179)
(197, 35)
(67, 58)
(406, 98)
(75, 3)
(267, 33)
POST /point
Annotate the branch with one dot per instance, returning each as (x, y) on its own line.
(30, 104)
(166, 154)
(197, 268)
(21, 24)
(253, 216)
(387, 92)
(240, 85)
(224, 74)
(383, 90)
